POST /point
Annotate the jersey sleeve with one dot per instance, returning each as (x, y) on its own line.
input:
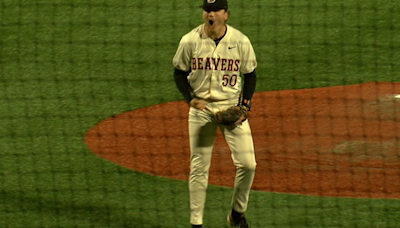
(249, 61)
(182, 58)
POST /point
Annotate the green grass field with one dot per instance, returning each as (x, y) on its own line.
(65, 65)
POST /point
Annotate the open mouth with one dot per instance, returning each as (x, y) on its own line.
(211, 22)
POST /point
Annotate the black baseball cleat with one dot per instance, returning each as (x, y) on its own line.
(196, 226)
(239, 222)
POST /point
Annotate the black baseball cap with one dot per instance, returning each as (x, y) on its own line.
(215, 5)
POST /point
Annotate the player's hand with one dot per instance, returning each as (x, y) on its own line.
(198, 103)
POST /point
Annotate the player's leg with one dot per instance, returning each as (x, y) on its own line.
(202, 130)
(240, 142)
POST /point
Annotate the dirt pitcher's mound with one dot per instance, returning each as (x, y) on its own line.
(335, 141)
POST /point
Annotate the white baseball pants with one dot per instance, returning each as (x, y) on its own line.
(202, 131)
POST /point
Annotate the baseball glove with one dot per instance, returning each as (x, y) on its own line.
(233, 115)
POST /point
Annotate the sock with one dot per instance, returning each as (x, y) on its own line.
(196, 226)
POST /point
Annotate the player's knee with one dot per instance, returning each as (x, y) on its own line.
(251, 167)
(248, 166)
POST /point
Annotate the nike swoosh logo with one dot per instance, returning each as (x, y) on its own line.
(231, 47)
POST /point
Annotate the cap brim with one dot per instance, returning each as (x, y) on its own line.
(210, 8)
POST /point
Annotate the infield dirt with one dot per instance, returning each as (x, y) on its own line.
(340, 141)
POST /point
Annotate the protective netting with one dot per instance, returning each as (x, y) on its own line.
(93, 130)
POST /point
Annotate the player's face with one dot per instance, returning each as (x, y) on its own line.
(215, 19)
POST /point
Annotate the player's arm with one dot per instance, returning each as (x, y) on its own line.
(248, 67)
(182, 67)
(249, 87)
(182, 84)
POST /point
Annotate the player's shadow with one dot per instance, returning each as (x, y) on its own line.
(207, 135)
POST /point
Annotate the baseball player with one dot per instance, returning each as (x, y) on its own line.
(210, 64)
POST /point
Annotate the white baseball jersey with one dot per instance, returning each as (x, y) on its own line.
(215, 70)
